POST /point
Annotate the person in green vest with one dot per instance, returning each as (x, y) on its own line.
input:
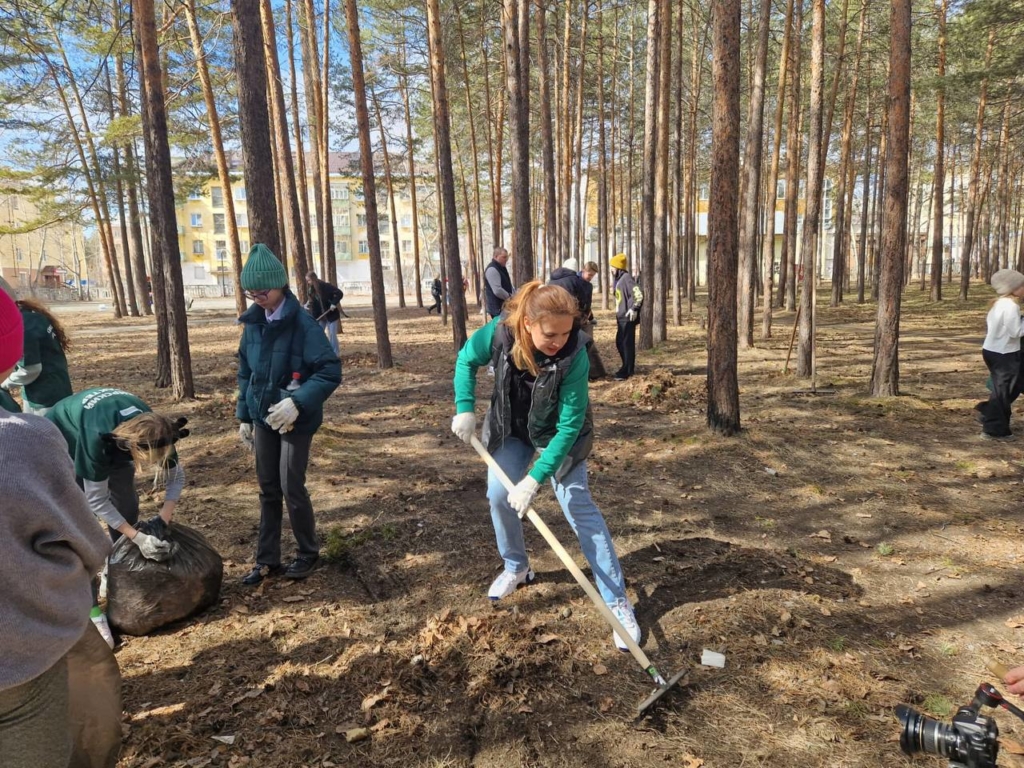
(42, 372)
(286, 370)
(110, 434)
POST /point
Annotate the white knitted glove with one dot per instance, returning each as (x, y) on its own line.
(281, 416)
(151, 547)
(464, 426)
(245, 435)
(521, 497)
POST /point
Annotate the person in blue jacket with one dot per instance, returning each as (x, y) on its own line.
(286, 370)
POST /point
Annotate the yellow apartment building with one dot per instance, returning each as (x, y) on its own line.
(49, 258)
(203, 238)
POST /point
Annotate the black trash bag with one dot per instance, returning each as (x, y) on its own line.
(143, 595)
(94, 702)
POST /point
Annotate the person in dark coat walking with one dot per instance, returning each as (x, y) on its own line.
(286, 370)
(435, 293)
(580, 288)
(324, 305)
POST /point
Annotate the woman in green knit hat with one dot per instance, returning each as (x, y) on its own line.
(286, 370)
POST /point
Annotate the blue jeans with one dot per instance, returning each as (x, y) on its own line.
(331, 327)
(573, 494)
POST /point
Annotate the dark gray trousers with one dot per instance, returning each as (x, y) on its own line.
(124, 495)
(34, 729)
(281, 469)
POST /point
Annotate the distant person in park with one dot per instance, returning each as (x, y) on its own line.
(628, 300)
(111, 434)
(1002, 355)
(497, 283)
(286, 370)
(42, 372)
(324, 305)
(540, 404)
(581, 289)
(435, 293)
(50, 547)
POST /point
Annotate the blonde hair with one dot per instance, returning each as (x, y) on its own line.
(149, 438)
(531, 304)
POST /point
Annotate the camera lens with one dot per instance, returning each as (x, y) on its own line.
(923, 734)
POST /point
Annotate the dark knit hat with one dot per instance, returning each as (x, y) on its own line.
(263, 271)
(12, 333)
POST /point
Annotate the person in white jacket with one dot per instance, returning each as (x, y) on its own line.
(1001, 352)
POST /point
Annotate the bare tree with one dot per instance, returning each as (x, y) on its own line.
(723, 384)
(938, 195)
(885, 370)
(652, 84)
(446, 177)
(380, 310)
(161, 200)
(519, 140)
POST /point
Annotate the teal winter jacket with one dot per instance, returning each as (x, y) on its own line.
(268, 355)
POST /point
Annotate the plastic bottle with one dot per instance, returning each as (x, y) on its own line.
(294, 383)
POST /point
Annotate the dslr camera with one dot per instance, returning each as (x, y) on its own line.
(970, 740)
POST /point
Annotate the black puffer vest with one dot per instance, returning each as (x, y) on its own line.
(543, 417)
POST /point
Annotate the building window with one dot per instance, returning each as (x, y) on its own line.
(316, 248)
(18, 254)
(241, 219)
(364, 247)
(407, 246)
(341, 220)
(243, 246)
(406, 220)
(385, 247)
(195, 194)
(218, 224)
(384, 221)
(339, 192)
(361, 219)
(199, 272)
(780, 190)
(197, 220)
(704, 190)
(341, 246)
(221, 247)
(217, 197)
(240, 194)
(197, 247)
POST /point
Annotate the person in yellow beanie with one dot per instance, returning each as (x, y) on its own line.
(628, 300)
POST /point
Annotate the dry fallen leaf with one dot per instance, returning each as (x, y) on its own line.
(545, 639)
(606, 704)
(373, 699)
(600, 669)
(1013, 747)
(822, 534)
(293, 599)
(689, 761)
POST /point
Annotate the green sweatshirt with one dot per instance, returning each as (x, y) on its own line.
(573, 397)
(42, 348)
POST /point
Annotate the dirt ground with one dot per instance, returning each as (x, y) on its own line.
(845, 554)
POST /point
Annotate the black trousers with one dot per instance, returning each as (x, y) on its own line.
(436, 305)
(281, 469)
(1006, 380)
(625, 342)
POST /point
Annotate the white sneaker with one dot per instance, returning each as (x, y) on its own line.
(624, 613)
(104, 628)
(506, 583)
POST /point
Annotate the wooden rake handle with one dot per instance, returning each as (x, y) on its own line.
(570, 564)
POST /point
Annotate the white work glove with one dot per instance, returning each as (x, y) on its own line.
(464, 426)
(333, 307)
(245, 435)
(282, 416)
(151, 547)
(632, 315)
(521, 497)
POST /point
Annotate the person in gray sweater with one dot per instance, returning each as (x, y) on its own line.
(50, 547)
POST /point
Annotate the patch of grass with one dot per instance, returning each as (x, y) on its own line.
(837, 643)
(765, 522)
(965, 466)
(857, 709)
(948, 649)
(937, 705)
(885, 549)
(339, 547)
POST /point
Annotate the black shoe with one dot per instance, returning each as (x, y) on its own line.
(301, 567)
(1009, 437)
(260, 572)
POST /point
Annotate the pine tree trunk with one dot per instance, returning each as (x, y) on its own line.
(391, 199)
(885, 371)
(161, 197)
(314, 119)
(938, 195)
(331, 258)
(380, 311)
(410, 158)
(787, 260)
(650, 162)
(300, 152)
(446, 178)
(658, 297)
(975, 181)
(519, 143)
(723, 385)
(750, 185)
(546, 134)
(254, 124)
